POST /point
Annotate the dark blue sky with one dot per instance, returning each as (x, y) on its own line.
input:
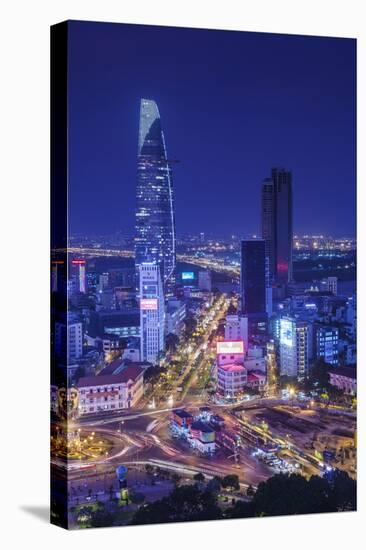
(232, 104)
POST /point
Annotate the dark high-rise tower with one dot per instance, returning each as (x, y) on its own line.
(277, 224)
(155, 224)
(253, 277)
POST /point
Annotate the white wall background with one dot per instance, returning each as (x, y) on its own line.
(24, 218)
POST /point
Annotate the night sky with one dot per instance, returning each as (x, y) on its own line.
(232, 104)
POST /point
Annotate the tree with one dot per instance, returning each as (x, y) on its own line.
(285, 494)
(171, 342)
(190, 325)
(250, 491)
(186, 503)
(241, 509)
(231, 481)
(199, 477)
(176, 478)
(214, 485)
(319, 374)
(343, 490)
(101, 518)
(137, 498)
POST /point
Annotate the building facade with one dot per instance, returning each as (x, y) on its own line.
(326, 342)
(152, 317)
(231, 379)
(294, 348)
(69, 336)
(253, 277)
(111, 392)
(277, 228)
(155, 223)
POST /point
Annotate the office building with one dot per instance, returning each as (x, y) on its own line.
(155, 224)
(277, 224)
(236, 328)
(204, 280)
(69, 336)
(78, 275)
(253, 285)
(174, 317)
(151, 312)
(294, 348)
(326, 342)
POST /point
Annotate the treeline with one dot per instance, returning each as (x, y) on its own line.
(282, 494)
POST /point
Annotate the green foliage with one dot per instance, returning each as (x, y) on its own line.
(199, 477)
(187, 503)
(282, 494)
(137, 498)
(231, 481)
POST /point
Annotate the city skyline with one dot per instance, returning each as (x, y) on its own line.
(191, 377)
(272, 112)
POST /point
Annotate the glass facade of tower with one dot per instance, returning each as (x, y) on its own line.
(277, 224)
(253, 277)
(155, 224)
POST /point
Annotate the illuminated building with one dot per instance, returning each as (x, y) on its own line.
(174, 317)
(204, 280)
(236, 328)
(69, 336)
(230, 352)
(155, 224)
(294, 344)
(202, 437)
(78, 275)
(344, 378)
(111, 392)
(231, 379)
(331, 285)
(151, 312)
(326, 344)
(124, 323)
(277, 224)
(231, 373)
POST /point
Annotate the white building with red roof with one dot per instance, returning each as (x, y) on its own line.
(111, 392)
(231, 379)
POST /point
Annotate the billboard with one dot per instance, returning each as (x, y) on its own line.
(230, 347)
(187, 275)
(148, 303)
(286, 332)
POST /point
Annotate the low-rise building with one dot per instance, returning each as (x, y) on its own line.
(231, 379)
(111, 391)
(182, 418)
(256, 381)
(202, 437)
(345, 379)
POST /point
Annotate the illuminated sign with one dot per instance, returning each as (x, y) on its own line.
(231, 347)
(286, 332)
(78, 262)
(149, 276)
(149, 303)
(187, 275)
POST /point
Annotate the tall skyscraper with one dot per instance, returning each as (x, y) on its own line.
(253, 285)
(253, 277)
(277, 224)
(155, 223)
(151, 312)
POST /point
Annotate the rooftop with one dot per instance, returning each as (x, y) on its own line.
(232, 367)
(129, 373)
